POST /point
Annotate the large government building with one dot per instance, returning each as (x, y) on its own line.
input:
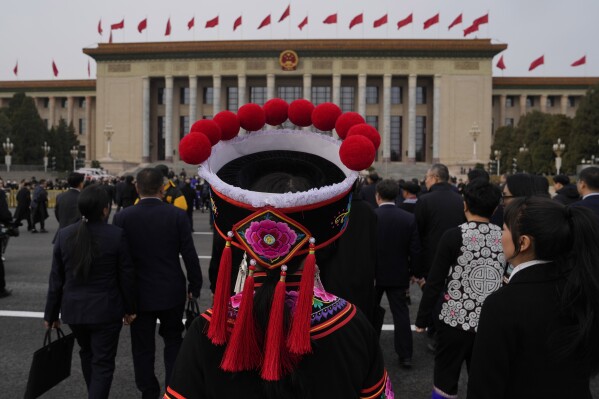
(431, 100)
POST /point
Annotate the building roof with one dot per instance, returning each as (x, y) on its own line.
(47, 85)
(544, 82)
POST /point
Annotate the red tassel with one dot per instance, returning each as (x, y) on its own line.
(276, 363)
(243, 352)
(217, 332)
(299, 336)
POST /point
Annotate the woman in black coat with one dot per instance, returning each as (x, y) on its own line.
(538, 337)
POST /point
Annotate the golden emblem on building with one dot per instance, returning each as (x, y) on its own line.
(288, 60)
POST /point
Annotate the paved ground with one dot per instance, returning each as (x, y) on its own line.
(28, 260)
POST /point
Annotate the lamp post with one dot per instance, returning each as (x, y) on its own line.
(523, 151)
(46, 149)
(497, 154)
(74, 154)
(8, 147)
(108, 132)
(558, 149)
(474, 133)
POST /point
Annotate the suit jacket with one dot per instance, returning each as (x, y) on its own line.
(368, 194)
(109, 292)
(157, 233)
(23, 210)
(398, 246)
(591, 202)
(511, 357)
(67, 210)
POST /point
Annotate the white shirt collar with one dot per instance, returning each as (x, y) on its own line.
(525, 265)
(589, 195)
(386, 203)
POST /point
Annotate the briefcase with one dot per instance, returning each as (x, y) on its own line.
(191, 312)
(51, 364)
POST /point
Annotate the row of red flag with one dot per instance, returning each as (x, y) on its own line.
(329, 20)
(15, 70)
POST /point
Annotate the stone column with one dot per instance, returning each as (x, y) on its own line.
(145, 125)
(168, 134)
(523, 104)
(436, 117)
(216, 88)
(386, 136)
(362, 94)
(412, 118)
(502, 100)
(543, 102)
(564, 104)
(88, 128)
(241, 89)
(307, 86)
(193, 99)
(51, 108)
(70, 106)
(336, 95)
(270, 86)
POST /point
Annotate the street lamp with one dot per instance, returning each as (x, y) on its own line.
(46, 149)
(558, 149)
(8, 147)
(474, 132)
(74, 154)
(523, 151)
(108, 132)
(497, 154)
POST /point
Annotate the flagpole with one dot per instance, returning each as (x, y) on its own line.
(218, 28)
(363, 23)
(124, 36)
(146, 28)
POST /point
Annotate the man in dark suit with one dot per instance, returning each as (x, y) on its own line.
(5, 218)
(588, 187)
(157, 233)
(66, 209)
(367, 192)
(409, 192)
(398, 247)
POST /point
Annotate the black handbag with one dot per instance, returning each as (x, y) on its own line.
(51, 364)
(192, 310)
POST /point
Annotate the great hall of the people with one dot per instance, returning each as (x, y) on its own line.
(425, 97)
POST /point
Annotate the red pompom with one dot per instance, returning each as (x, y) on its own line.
(325, 115)
(367, 131)
(194, 148)
(300, 112)
(228, 123)
(209, 128)
(251, 117)
(276, 111)
(346, 121)
(357, 152)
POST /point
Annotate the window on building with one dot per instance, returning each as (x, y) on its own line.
(347, 98)
(550, 102)
(289, 93)
(396, 95)
(373, 121)
(258, 94)
(208, 95)
(64, 103)
(509, 101)
(82, 103)
(161, 130)
(46, 102)
(420, 95)
(395, 138)
(82, 126)
(571, 101)
(530, 102)
(232, 98)
(420, 138)
(184, 95)
(160, 94)
(509, 121)
(321, 94)
(183, 126)
(372, 94)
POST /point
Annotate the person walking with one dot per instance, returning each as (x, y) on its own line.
(5, 217)
(39, 206)
(157, 233)
(588, 187)
(23, 210)
(67, 208)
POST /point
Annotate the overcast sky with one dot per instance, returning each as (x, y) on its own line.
(36, 31)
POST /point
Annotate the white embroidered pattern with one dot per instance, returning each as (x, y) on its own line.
(477, 274)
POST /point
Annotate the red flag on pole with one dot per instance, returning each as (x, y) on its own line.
(331, 19)
(579, 62)
(500, 63)
(110, 37)
(481, 20)
(142, 25)
(358, 19)
(431, 21)
(191, 23)
(303, 23)
(538, 62)
(265, 22)
(237, 23)
(381, 21)
(89, 73)
(118, 25)
(15, 70)
(472, 28)
(286, 13)
(54, 69)
(167, 31)
(406, 21)
(212, 22)
(100, 27)
(455, 22)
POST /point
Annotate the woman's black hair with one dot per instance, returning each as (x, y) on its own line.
(567, 236)
(482, 197)
(527, 185)
(92, 201)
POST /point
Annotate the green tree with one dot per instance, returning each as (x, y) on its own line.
(61, 139)
(28, 130)
(585, 130)
(506, 143)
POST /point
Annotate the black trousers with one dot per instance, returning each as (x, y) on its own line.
(401, 319)
(2, 278)
(454, 346)
(143, 345)
(98, 344)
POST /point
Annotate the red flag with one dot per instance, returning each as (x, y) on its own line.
(237, 23)
(15, 70)
(142, 25)
(265, 22)
(455, 22)
(481, 20)
(118, 25)
(538, 62)
(212, 22)
(167, 31)
(100, 27)
(576, 63)
(286, 13)
(191, 23)
(331, 19)
(406, 21)
(381, 21)
(110, 37)
(89, 73)
(500, 63)
(303, 23)
(470, 29)
(431, 21)
(358, 19)
(54, 69)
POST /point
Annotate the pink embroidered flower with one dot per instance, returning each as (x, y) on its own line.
(325, 296)
(236, 300)
(389, 389)
(270, 239)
